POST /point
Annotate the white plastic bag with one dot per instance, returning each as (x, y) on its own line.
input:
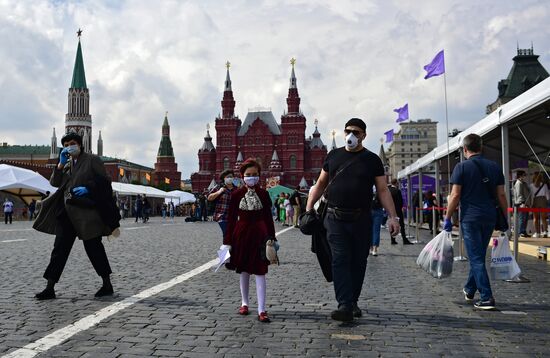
(437, 256)
(503, 264)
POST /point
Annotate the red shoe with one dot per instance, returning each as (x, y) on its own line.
(243, 310)
(263, 317)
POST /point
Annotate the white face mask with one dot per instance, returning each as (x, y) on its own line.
(251, 181)
(351, 141)
(228, 181)
(73, 150)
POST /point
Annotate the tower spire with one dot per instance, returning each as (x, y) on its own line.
(53, 146)
(100, 145)
(228, 103)
(79, 76)
(293, 99)
(227, 78)
(78, 118)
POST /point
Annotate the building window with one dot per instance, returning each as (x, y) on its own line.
(292, 161)
(293, 179)
(225, 163)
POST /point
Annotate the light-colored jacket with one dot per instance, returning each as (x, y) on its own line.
(521, 193)
(86, 220)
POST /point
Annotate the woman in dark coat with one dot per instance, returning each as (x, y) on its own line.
(250, 225)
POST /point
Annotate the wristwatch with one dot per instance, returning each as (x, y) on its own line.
(396, 218)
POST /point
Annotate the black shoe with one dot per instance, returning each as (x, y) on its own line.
(105, 290)
(45, 295)
(468, 297)
(407, 242)
(485, 305)
(393, 242)
(357, 311)
(342, 314)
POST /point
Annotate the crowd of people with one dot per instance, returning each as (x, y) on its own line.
(353, 191)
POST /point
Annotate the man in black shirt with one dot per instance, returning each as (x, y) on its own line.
(348, 176)
(398, 202)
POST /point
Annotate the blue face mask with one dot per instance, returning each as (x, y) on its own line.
(236, 182)
(73, 150)
(251, 181)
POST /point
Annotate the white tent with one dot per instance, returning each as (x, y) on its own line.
(23, 183)
(182, 197)
(133, 189)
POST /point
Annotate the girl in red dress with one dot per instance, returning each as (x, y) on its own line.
(249, 225)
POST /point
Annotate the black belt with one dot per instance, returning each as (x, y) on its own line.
(350, 210)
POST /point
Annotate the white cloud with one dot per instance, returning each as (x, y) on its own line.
(355, 58)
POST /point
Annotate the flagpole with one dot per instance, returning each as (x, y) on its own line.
(447, 123)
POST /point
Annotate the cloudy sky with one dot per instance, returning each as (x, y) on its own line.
(354, 58)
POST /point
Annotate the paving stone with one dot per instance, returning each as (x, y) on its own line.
(406, 312)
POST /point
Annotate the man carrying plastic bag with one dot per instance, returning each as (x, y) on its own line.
(478, 184)
(437, 256)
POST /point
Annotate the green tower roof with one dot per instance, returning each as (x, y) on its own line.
(165, 148)
(79, 77)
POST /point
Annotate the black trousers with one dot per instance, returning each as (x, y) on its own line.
(8, 216)
(64, 240)
(401, 223)
(349, 244)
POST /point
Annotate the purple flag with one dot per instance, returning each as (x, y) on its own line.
(436, 67)
(389, 136)
(402, 113)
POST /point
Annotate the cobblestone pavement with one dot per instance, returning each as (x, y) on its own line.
(409, 313)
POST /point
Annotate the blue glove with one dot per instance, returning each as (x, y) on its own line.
(80, 191)
(448, 225)
(64, 156)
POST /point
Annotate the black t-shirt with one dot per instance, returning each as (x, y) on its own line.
(352, 188)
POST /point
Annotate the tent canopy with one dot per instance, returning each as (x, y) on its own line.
(528, 113)
(23, 183)
(133, 189)
(182, 197)
(275, 191)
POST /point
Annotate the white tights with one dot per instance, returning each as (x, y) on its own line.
(260, 290)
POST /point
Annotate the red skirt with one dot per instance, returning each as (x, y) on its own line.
(248, 243)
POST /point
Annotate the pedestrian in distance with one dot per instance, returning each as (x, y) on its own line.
(377, 215)
(522, 197)
(220, 195)
(470, 181)
(398, 204)
(541, 195)
(431, 205)
(32, 209)
(249, 226)
(145, 208)
(295, 201)
(204, 207)
(138, 207)
(348, 176)
(163, 210)
(8, 211)
(172, 210)
(82, 207)
(289, 211)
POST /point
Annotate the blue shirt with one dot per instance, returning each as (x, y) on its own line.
(476, 203)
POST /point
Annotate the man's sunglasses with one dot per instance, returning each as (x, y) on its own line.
(355, 132)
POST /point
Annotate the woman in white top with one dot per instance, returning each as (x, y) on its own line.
(289, 211)
(541, 195)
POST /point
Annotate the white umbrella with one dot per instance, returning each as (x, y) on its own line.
(23, 183)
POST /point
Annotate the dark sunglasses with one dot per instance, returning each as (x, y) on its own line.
(355, 132)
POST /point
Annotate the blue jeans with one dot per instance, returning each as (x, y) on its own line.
(377, 217)
(523, 217)
(476, 239)
(349, 244)
(223, 226)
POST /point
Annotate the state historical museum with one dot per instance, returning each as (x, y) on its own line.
(282, 149)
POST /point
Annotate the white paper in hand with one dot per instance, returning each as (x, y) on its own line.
(223, 256)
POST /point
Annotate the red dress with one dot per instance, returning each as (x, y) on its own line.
(247, 232)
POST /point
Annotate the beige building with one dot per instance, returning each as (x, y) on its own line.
(413, 140)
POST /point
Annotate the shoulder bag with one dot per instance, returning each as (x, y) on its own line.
(501, 221)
